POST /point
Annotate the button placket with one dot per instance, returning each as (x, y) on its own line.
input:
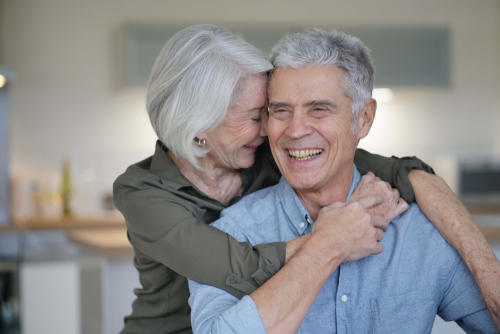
(343, 298)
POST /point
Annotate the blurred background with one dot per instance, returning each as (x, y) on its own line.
(72, 118)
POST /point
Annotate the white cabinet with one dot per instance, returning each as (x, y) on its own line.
(50, 297)
(107, 292)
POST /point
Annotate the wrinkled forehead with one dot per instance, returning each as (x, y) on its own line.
(309, 82)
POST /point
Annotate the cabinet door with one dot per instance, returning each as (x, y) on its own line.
(50, 297)
(4, 158)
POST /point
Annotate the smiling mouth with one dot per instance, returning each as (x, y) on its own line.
(304, 154)
(252, 147)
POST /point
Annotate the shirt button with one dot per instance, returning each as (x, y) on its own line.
(344, 298)
(302, 225)
(232, 280)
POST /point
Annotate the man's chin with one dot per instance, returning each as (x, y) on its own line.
(302, 181)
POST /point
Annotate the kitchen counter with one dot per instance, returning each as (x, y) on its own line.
(67, 223)
(109, 237)
(105, 241)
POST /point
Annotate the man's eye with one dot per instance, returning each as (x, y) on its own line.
(256, 119)
(278, 110)
(280, 113)
(317, 112)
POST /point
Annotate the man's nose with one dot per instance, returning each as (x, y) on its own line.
(298, 126)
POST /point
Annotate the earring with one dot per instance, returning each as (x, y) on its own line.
(200, 142)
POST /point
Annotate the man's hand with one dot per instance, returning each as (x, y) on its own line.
(390, 208)
(383, 213)
(349, 230)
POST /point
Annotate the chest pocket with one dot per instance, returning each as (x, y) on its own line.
(413, 312)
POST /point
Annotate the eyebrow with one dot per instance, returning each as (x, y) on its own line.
(308, 104)
(279, 104)
(322, 103)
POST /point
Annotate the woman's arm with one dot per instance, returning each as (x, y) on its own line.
(456, 225)
(164, 230)
(415, 181)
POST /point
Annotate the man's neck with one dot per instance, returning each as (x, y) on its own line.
(336, 190)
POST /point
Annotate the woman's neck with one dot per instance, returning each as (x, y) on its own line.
(218, 183)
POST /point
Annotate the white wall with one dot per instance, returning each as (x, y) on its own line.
(66, 100)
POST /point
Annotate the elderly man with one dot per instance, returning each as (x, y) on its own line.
(320, 106)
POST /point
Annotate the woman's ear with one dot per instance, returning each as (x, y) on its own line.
(365, 118)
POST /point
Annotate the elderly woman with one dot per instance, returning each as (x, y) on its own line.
(206, 100)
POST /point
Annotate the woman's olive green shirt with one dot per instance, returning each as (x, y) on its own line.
(167, 222)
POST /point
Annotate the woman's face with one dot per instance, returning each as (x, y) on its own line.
(233, 143)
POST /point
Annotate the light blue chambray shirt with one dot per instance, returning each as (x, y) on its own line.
(398, 291)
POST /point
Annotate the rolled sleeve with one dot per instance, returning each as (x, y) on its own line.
(393, 170)
(215, 311)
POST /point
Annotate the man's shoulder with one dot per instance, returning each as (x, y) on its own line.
(418, 232)
(250, 211)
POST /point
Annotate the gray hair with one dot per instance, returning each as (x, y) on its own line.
(327, 49)
(194, 81)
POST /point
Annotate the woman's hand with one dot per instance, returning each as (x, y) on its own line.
(390, 208)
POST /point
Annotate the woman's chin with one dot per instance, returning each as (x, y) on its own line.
(246, 162)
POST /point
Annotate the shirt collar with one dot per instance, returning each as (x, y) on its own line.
(295, 210)
(163, 166)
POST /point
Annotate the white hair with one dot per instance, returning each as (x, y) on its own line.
(327, 49)
(194, 81)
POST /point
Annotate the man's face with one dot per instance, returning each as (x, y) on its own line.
(309, 127)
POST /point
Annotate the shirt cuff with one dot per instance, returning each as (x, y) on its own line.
(244, 317)
(400, 170)
(272, 259)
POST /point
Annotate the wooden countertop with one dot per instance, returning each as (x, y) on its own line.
(105, 241)
(68, 223)
(113, 241)
(483, 209)
(109, 237)
(491, 233)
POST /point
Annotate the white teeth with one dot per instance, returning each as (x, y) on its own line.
(304, 155)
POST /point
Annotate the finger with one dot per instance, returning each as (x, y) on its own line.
(335, 205)
(371, 200)
(379, 234)
(380, 222)
(395, 194)
(402, 207)
(379, 249)
(365, 179)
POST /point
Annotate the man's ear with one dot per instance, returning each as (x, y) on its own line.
(365, 118)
